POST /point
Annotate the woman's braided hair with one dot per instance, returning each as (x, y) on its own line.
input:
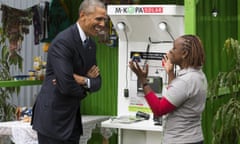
(193, 45)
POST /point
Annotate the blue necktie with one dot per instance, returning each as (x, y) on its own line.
(86, 43)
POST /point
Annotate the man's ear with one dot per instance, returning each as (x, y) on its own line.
(81, 14)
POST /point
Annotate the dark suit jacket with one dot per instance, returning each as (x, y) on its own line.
(56, 112)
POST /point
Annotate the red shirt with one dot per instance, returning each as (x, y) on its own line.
(158, 106)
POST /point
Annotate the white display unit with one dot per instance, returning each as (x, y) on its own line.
(146, 32)
(142, 132)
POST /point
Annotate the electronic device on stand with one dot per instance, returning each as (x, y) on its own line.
(145, 34)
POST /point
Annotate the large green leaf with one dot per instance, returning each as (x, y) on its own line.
(226, 122)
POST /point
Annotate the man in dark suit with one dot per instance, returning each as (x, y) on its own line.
(71, 73)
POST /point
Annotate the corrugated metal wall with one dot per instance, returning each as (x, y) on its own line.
(104, 102)
(214, 31)
(29, 50)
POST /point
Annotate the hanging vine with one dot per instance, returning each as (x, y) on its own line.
(15, 25)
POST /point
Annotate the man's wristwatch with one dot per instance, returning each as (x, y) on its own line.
(86, 82)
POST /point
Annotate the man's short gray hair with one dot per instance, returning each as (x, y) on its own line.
(89, 6)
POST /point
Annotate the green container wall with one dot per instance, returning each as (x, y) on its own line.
(104, 102)
(214, 31)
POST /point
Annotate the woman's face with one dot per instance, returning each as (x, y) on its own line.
(177, 53)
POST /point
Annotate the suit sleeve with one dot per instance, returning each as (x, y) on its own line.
(60, 56)
(95, 84)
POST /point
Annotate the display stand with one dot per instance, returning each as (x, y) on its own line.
(142, 132)
(146, 33)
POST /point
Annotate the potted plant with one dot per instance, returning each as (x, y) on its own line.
(7, 59)
(226, 121)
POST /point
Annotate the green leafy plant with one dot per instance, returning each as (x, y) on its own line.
(226, 86)
(7, 110)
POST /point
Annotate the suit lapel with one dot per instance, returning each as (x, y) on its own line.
(78, 39)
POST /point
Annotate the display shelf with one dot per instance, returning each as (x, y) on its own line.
(15, 83)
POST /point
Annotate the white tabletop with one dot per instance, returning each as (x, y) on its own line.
(145, 125)
(22, 132)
